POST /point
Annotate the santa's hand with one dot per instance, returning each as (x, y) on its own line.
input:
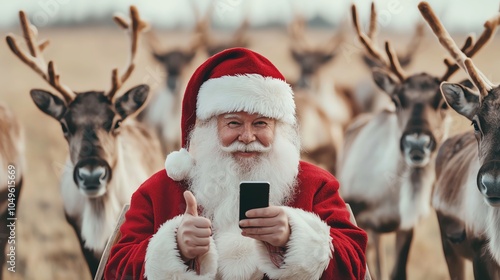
(268, 224)
(193, 234)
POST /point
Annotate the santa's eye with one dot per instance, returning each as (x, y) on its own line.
(233, 124)
(260, 123)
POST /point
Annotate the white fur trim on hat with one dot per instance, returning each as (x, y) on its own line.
(178, 164)
(310, 236)
(251, 93)
(163, 260)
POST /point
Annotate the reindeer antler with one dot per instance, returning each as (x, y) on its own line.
(452, 67)
(135, 26)
(413, 45)
(300, 40)
(297, 32)
(372, 31)
(462, 56)
(35, 60)
(203, 28)
(392, 64)
(240, 37)
(202, 24)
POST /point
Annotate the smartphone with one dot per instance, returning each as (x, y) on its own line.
(253, 194)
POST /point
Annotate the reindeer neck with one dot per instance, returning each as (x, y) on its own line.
(493, 232)
(98, 221)
(416, 186)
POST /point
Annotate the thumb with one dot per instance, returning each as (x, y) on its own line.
(191, 206)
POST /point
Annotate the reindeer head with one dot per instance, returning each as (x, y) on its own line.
(420, 111)
(420, 108)
(91, 124)
(310, 58)
(482, 109)
(91, 120)
(484, 113)
(174, 61)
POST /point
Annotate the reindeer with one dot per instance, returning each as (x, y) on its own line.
(12, 162)
(396, 151)
(466, 193)
(330, 107)
(368, 97)
(110, 154)
(162, 112)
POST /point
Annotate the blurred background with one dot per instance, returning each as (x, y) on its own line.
(86, 45)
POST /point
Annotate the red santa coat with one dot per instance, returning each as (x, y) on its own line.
(323, 242)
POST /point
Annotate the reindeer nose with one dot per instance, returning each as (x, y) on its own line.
(92, 177)
(488, 182)
(417, 148)
(417, 141)
(417, 155)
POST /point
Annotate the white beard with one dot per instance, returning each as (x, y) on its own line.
(216, 176)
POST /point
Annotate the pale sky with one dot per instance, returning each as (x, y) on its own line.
(457, 15)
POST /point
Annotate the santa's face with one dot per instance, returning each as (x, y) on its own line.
(223, 160)
(242, 128)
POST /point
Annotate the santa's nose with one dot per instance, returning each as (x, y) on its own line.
(247, 135)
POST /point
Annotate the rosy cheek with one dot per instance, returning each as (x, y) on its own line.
(266, 140)
(228, 138)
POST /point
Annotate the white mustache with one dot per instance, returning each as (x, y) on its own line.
(241, 147)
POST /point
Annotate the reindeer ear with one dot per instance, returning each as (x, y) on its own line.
(48, 103)
(384, 81)
(461, 99)
(132, 100)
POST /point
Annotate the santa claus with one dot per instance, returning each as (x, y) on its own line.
(238, 124)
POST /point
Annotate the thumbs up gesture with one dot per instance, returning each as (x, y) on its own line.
(193, 234)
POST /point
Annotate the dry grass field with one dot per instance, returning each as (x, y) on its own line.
(47, 247)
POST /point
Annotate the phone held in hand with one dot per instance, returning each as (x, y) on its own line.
(253, 194)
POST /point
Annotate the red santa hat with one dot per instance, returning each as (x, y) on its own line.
(233, 80)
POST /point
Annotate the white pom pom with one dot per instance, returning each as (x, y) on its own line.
(178, 164)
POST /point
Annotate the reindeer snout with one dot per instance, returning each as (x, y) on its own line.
(91, 176)
(417, 148)
(488, 182)
(172, 82)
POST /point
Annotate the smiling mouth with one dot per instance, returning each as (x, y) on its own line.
(245, 153)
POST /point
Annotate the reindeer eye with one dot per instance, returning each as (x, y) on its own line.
(64, 128)
(476, 126)
(444, 104)
(117, 124)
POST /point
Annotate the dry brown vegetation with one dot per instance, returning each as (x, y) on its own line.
(46, 245)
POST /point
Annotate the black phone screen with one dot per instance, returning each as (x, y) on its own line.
(253, 194)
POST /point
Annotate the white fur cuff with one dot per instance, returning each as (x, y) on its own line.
(178, 164)
(310, 237)
(163, 259)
